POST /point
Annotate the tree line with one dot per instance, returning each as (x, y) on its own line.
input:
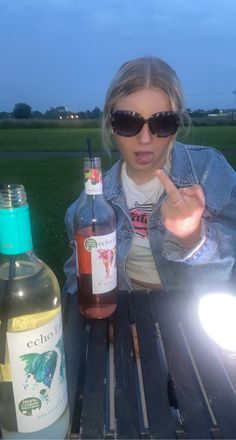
(24, 111)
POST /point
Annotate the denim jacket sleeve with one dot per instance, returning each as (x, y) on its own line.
(174, 251)
(217, 243)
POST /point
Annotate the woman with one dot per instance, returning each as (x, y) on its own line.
(175, 203)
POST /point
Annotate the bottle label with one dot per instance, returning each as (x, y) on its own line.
(93, 181)
(97, 256)
(38, 375)
(15, 230)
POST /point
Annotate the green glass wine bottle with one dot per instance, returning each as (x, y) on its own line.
(33, 388)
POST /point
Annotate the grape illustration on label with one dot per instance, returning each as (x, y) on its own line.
(41, 366)
(39, 370)
(107, 256)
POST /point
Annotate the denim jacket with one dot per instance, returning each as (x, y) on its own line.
(212, 259)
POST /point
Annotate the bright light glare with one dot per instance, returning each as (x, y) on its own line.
(217, 313)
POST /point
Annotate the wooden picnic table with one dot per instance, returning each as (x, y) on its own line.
(149, 371)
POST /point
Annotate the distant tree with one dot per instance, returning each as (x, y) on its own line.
(214, 111)
(21, 111)
(84, 115)
(5, 115)
(198, 113)
(96, 113)
(88, 114)
(56, 112)
(36, 115)
(51, 113)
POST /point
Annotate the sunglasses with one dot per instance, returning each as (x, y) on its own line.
(129, 123)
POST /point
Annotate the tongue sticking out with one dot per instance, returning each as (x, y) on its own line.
(144, 157)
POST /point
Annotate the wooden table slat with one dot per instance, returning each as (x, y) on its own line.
(155, 379)
(127, 411)
(93, 410)
(76, 341)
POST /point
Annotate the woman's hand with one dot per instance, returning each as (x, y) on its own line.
(182, 210)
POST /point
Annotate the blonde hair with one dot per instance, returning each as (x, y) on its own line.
(140, 73)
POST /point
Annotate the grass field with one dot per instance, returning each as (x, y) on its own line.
(52, 184)
(221, 137)
(75, 139)
(49, 139)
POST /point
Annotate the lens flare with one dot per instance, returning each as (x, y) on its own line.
(217, 313)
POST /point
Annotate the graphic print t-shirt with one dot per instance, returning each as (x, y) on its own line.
(140, 199)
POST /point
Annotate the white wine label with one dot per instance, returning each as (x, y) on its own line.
(38, 375)
(103, 262)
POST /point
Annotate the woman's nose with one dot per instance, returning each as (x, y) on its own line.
(145, 135)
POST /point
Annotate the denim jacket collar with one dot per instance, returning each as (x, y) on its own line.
(180, 159)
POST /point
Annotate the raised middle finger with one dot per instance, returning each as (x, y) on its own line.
(174, 194)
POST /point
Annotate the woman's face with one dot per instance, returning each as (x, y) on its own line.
(144, 152)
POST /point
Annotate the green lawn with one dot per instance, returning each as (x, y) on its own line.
(49, 139)
(221, 137)
(75, 139)
(53, 184)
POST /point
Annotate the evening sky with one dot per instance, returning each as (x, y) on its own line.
(65, 52)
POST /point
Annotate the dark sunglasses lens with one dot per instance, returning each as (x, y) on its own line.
(163, 125)
(124, 124)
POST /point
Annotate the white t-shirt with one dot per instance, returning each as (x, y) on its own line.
(140, 199)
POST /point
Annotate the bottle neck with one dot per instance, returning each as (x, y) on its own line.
(93, 181)
(15, 228)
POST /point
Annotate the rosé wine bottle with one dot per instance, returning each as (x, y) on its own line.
(95, 238)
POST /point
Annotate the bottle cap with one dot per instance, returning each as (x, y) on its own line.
(15, 228)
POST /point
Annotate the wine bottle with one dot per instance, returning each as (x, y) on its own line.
(95, 238)
(33, 388)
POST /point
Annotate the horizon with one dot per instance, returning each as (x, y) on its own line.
(67, 110)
